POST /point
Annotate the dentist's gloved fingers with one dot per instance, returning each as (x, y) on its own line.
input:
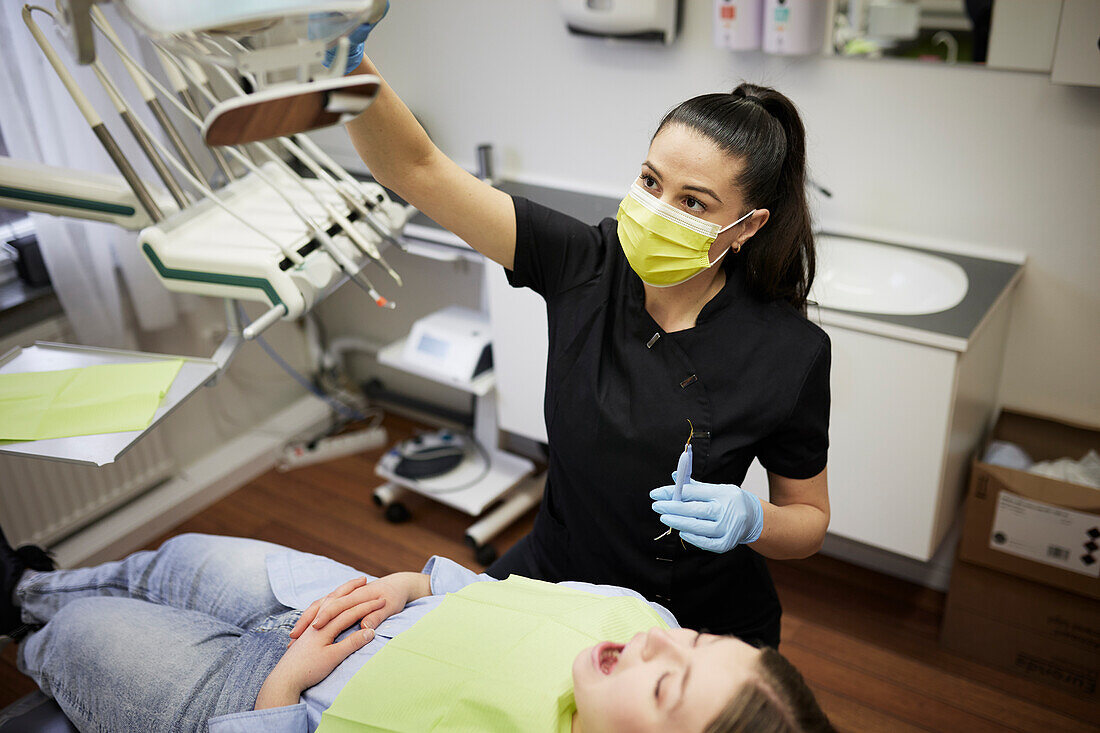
(356, 40)
(699, 509)
(662, 493)
(359, 35)
(709, 544)
(702, 527)
(691, 491)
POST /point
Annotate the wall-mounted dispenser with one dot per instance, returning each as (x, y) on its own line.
(643, 20)
(796, 27)
(738, 24)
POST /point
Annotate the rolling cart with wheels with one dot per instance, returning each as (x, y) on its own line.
(490, 484)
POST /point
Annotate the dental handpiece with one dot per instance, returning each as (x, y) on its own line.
(683, 472)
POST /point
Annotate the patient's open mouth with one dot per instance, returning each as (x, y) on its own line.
(606, 656)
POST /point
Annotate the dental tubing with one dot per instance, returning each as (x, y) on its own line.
(90, 115)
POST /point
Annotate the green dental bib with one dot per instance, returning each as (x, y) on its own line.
(495, 656)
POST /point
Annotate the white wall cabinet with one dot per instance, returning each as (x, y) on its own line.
(906, 419)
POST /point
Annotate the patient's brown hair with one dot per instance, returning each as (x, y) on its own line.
(776, 700)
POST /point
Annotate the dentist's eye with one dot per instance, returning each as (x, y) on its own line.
(695, 204)
(648, 181)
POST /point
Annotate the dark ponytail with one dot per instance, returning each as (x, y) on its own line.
(761, 127)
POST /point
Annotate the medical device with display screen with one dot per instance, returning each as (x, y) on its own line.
(453, 342)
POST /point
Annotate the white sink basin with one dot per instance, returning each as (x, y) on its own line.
(868, 277)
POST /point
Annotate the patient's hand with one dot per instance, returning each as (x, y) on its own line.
(313, 658)
(374, 602)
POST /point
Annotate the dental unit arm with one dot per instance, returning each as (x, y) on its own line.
(265, 234)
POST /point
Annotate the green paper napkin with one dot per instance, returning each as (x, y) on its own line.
(107, 398)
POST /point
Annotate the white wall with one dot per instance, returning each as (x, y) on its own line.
(252, 390)
(1002, 159)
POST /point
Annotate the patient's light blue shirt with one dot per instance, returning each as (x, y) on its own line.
(297, 579)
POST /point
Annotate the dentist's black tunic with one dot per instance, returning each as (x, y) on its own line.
(753, 377)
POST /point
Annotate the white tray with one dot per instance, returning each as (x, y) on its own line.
(97, 450)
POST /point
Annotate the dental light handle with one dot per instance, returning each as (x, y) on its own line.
(683, 473)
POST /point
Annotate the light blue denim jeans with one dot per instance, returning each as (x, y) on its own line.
(160, 641)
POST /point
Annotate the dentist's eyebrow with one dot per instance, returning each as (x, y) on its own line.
(707, 191)
(689, 187)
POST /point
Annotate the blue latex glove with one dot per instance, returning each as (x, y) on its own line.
(356, 40)
(714, 517)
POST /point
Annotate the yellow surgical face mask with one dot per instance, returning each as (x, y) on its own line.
(664, 245)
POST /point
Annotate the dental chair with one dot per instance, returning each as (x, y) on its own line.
(34, 713)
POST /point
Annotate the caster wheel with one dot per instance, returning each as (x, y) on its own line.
(485, 554)
(396, 513)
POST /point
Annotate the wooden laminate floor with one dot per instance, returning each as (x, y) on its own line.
(867, 643)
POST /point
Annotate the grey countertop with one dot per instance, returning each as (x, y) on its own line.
(986, 281)
(987, 278)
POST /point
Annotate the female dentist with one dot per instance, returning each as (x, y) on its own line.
(689, 307)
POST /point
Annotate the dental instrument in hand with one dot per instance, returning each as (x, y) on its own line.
(683, 473)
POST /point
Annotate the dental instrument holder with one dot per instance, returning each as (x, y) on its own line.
(93, 195)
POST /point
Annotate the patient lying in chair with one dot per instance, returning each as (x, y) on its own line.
(231, 634)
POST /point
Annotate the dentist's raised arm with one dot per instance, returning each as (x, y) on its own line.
(401, 156)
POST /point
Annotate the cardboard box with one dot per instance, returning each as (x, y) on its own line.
(1039, 632)
(1032, 526)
